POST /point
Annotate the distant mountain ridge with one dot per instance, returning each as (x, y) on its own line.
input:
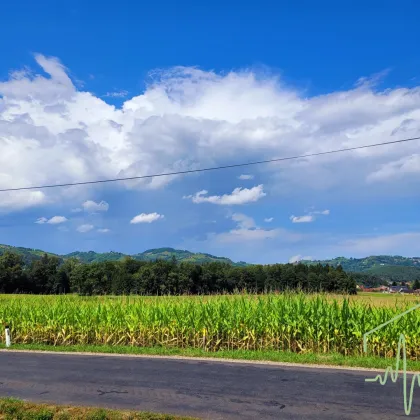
(382, 266)
(385, 267)
(29, 254)
(368, 263)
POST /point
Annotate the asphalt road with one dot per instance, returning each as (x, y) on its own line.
(204, 389)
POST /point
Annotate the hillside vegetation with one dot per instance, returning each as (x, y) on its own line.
(377, 269)
(372, 270)
(364, 264)
(395, 273)
(166, 254)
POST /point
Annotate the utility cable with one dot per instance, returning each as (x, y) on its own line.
(237, 165)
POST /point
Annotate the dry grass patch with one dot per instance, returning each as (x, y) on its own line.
(14, 409)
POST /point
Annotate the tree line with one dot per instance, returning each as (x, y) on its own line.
(51, 275)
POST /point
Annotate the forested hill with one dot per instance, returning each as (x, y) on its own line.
(375, 268)
(359, 265)
(372, 269)
(166, 254)
(52, 275)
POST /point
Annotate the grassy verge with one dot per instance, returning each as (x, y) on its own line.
(331, 359)
(11, 408)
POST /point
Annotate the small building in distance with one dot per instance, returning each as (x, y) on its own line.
(400, 289)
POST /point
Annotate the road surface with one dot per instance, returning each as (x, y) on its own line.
(204, 389)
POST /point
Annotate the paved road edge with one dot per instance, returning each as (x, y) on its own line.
(206, 359)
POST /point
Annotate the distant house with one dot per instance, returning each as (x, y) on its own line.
(399, 289)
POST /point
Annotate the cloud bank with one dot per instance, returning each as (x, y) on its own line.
(53, 132)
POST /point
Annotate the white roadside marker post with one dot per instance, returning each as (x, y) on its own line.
(8, 340)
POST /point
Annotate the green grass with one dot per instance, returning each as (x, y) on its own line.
(14, 409)
(331, 359)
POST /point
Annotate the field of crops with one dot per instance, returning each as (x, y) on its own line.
(294, 322)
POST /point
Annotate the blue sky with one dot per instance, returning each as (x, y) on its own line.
(129, 89)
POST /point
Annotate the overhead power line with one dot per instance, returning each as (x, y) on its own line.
(215, 168)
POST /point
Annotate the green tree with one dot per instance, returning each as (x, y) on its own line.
(64, 274)
(44, 274)
(12, 277)
(49, 274)
(313, 282)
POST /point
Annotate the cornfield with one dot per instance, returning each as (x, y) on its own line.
(293, 322)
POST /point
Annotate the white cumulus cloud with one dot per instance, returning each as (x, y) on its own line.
(243, 221)
(323, 212)
(117, 94)
(246, 230)
(298, 258)
(302, 219)
(42, 220)
(146, 218)
(396, 169)
(310, 217)
(237, 197)
(85, 228)
(268, 219)
(55, 220)
(245, 177)
(17, 200)
(93, 207)
(103, 230)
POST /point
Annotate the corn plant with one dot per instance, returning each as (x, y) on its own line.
(290, 321)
